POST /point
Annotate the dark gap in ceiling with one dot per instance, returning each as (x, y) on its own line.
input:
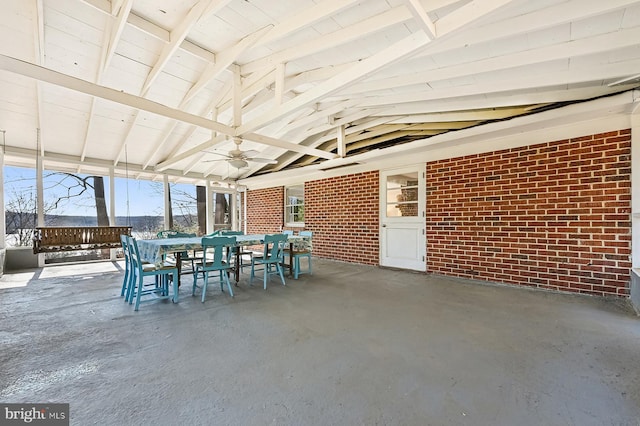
(305, 160)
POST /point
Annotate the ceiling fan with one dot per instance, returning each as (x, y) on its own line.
(239, 159)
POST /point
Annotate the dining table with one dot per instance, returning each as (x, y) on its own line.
(155, 250)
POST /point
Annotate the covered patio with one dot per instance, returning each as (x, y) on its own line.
(351, 344)
(468, 169)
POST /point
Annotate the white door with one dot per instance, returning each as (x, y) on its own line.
(402, 218)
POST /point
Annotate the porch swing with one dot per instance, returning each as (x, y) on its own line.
(48, 239)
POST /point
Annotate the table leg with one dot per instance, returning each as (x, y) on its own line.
(237, 266)
(291, 259)
(179, 265)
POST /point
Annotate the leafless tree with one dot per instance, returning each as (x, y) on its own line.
(185, 214)
(22, 207)
(21, 216)
(75, 186)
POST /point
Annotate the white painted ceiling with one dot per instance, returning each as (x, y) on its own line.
(161, 86)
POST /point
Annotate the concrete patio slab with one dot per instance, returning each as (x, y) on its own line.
(348, 345)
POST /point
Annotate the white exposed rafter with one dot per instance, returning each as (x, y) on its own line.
(582, 47)
(188, 153)
(422, 18)
(223, 61)
(518, 83)
(199, 11)
(40, 73)
(398, 51)
(358, 30)
(288, 146)
(152, 29)
(40, 57)
(305, 18)
(393, 53)
(112, 35)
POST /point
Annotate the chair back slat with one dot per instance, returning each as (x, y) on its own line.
(273, 246)
(125, 246)
(215, 246)
(134, 254)
(227, 233)
(181, 235)
(170, 233)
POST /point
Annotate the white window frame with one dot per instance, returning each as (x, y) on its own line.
(287, 206)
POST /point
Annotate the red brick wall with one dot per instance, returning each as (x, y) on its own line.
(343, 214)
(554, 215)
(265, 210)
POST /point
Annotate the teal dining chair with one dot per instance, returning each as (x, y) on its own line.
(129, 277)
(271, 258)
(157, 290)
(214, 259)
(128, 273)
(300, 254)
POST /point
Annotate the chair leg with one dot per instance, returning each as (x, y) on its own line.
(132, 289)
(266, 274)
(204, 286)
(138, 295)
(279, 269)
(125, 281)
(195, 283)
(226, 279)
(296, 267)
(175, 289)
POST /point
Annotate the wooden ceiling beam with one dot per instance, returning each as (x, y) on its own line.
(581, 47)
(524, 83)
(393, 53)
(306, 18)
(395, 16)
(48, 75)
(224, 60)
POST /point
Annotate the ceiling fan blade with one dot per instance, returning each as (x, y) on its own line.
(219, 159)
(250, 153)
(262, 160)
(218, 153)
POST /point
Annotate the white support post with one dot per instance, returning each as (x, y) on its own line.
(40, 194)
(233, 208)
(341, 142)
(167, 202)
(3, 224)
(634, 290)
(210, 216)
(244, 208)
(112, 206)
(112, 197)
(635, 190)
(237, 97)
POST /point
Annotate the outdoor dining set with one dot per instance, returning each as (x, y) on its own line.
(153, 266)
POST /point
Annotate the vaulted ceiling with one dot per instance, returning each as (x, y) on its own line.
(171, 86)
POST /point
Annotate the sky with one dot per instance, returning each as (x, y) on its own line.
(143, 197)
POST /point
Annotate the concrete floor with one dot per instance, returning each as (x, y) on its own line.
(349, 345)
